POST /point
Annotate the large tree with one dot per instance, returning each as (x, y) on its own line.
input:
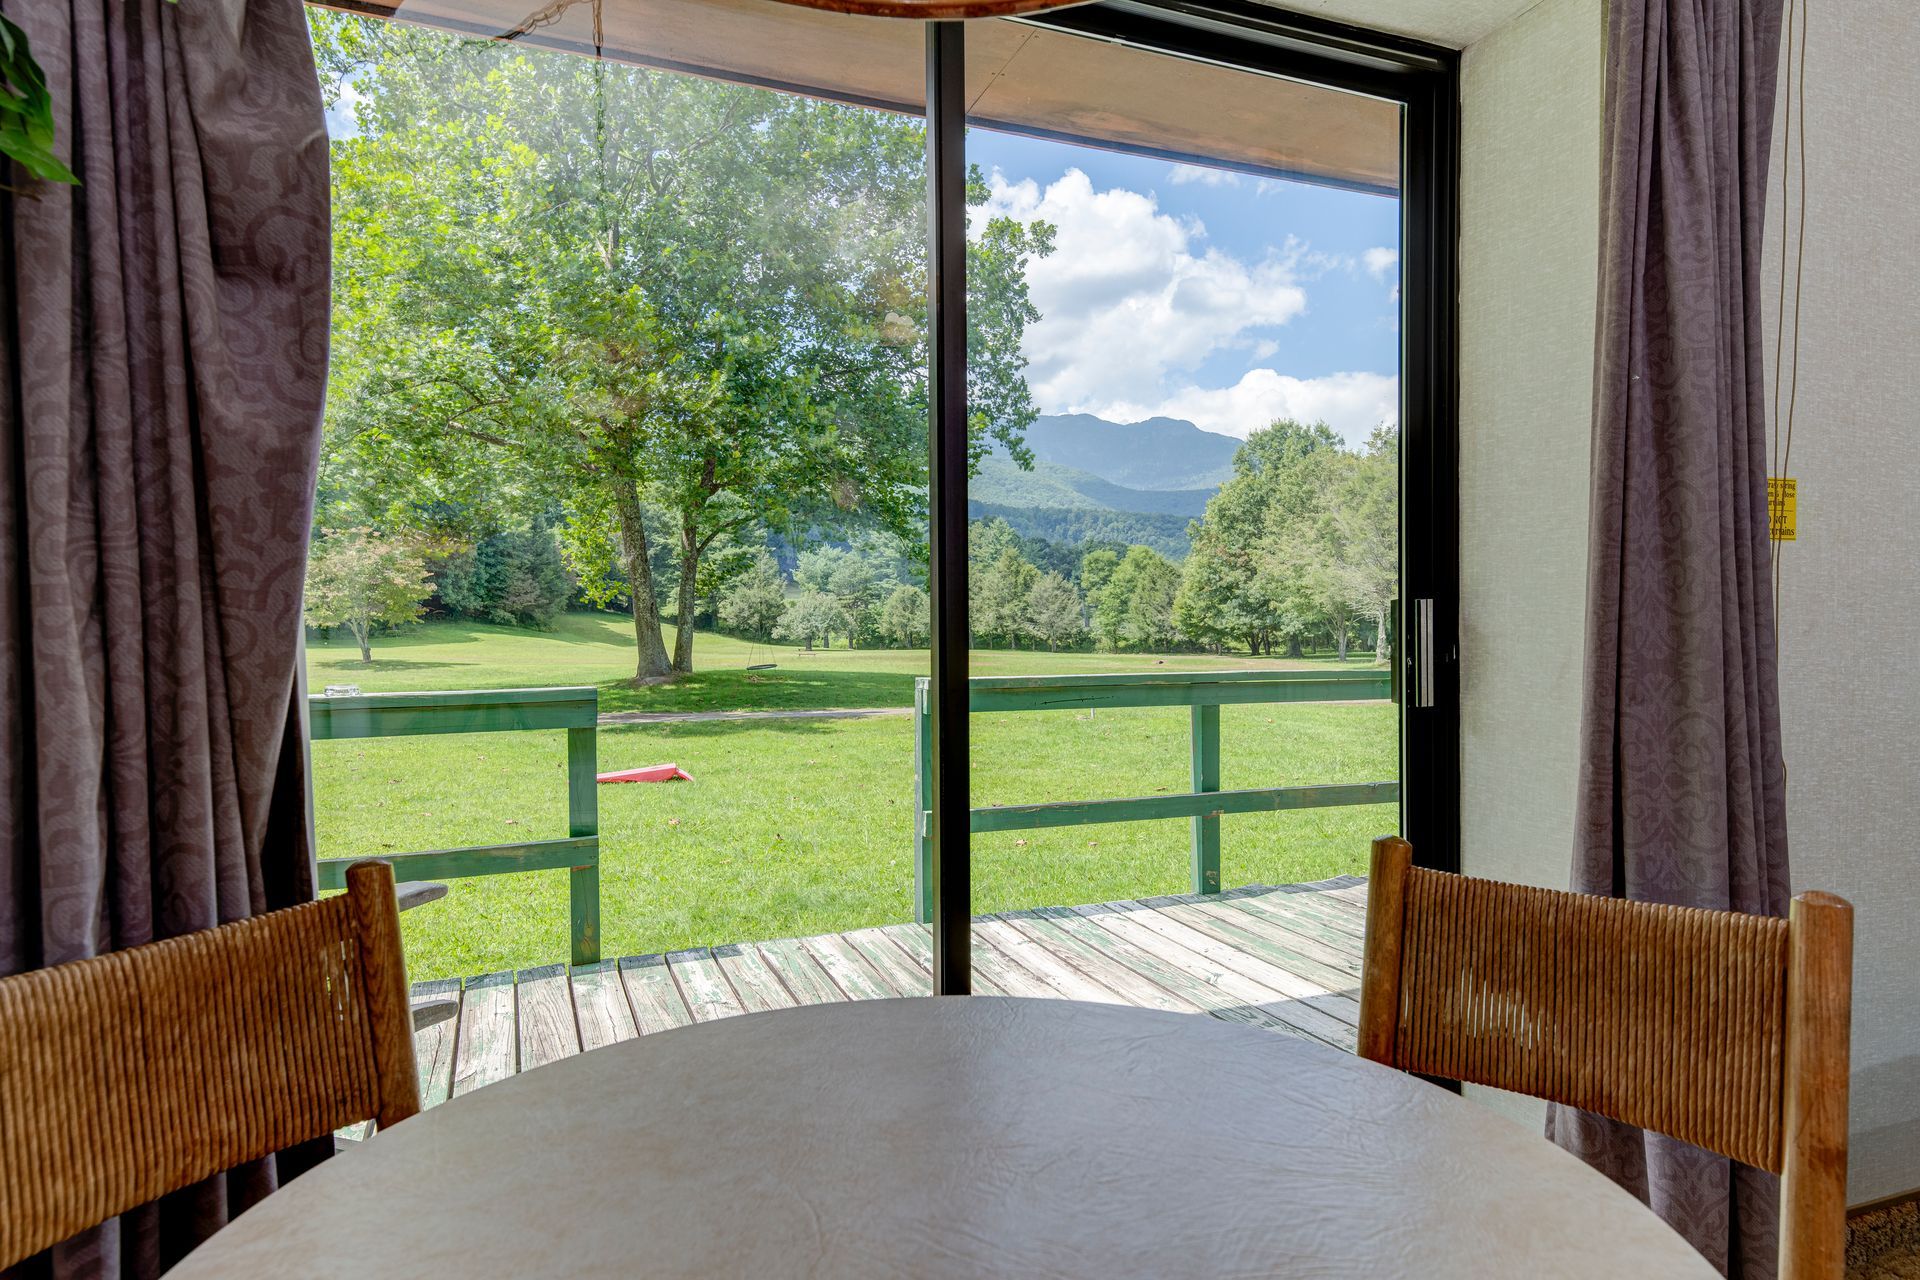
(630, 290)
(1056, 615)
(1136, 603)
(1366, 518)
(1252, 577)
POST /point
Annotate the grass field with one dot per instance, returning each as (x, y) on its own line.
(597, 649)
(799, 826)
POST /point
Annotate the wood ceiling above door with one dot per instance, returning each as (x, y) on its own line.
(1020, 77)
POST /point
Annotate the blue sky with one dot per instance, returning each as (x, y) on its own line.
(1202, 294)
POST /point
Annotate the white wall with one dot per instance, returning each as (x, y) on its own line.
(1530, 227)
(1529, 243)
(1850, 602)
(1850, 597)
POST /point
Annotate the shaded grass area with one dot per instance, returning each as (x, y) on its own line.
(597, 649)
(799, 827)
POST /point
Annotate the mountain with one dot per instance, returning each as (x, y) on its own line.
(1094, 480)
(1158, 454)
(1000, 482)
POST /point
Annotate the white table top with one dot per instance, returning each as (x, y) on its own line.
(954, 1137)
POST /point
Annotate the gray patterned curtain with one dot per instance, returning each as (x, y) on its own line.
(163, 343)
(1682, 789)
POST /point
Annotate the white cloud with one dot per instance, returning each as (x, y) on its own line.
(1353, 404)
(1132, 295)
(1380, 262)
(1182, 175)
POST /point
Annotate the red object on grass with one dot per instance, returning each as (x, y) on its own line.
(649, 773)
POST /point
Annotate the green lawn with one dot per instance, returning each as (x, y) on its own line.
(597, 649)
(800, 826)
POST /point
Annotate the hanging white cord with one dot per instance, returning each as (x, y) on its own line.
(1793, 170)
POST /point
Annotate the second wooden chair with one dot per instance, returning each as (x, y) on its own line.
(1728, 1031)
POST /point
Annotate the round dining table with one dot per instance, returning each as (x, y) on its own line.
(954, 1136)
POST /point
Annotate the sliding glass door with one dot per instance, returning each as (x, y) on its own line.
(1208, 518)
(951, 471)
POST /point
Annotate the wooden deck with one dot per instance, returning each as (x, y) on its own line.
(1286, 958)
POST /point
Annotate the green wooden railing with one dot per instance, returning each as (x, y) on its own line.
(577, 710)
(1205, 692)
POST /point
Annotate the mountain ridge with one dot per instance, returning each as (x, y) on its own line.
(1156, 454)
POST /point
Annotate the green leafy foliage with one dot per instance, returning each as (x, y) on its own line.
(999, 598)
(515, 578)
(26, 110)
(681, 309)
(813, 618)
(906, 618)
(753, 602)
(1056, 615)
(1135, 609)
(361, 579)
(1302, 545)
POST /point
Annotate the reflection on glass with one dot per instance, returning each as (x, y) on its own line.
(1183, 573)
(628, 390)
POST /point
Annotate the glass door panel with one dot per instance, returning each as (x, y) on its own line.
(1184, 548)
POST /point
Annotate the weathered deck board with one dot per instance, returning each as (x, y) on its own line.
(547, 1030)
(879, 949)
(1282, 957)
(1250, 935)
(916, 940)
(757, 985)
(1221, 970)
(856, 978)
(1185, 983)
(1319, 911)
(433, 1044)
(485, 1049)
(655, 997)
(709, 995)
(600, 1005)
(1131, 986)
(797, 968)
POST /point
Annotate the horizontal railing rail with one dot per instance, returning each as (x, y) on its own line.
(1204, 692)
(575, 709)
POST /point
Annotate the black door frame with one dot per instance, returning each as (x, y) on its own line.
(1424, 80)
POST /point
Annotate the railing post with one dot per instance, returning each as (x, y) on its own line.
(583, 819)
(1206, 778)
(922, 806)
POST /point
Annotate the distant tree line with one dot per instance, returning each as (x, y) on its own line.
(1298, 551)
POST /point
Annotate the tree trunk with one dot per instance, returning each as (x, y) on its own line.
(688, 600)
(651, 650)
(1380, 638)
(361, 629)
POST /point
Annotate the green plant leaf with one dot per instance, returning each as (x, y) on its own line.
(26, 110)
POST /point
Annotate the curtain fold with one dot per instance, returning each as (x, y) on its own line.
(1682, 788)
(161, 384)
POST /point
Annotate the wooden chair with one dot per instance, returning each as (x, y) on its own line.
(1728, 1031)
(134, 1074)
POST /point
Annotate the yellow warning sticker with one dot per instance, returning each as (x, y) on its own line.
(1783, 508)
